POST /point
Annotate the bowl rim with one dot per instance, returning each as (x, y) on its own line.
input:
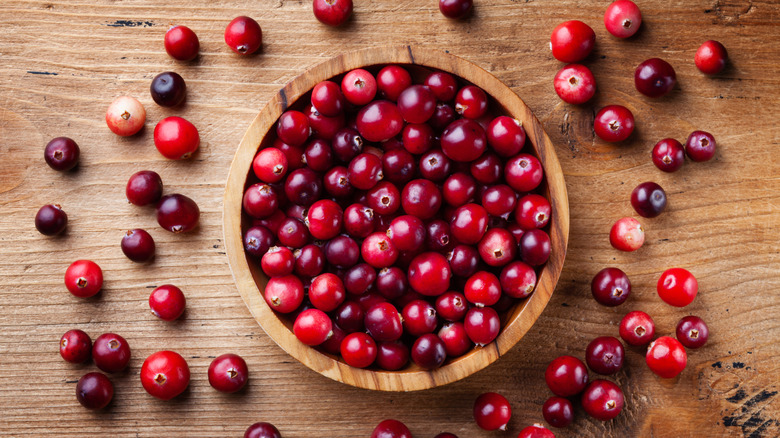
(515, 323)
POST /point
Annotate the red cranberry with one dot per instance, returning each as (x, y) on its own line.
(359, 220)
(342, 252)
(419, 318)
(318, 156)
(392, 356)
(365, 171)
(471, 102)
(272, 223)
(602, 400)
(323, 127)
(75, 346)
(278, 261)
(336, 182)
(303, 187)
(483, 289)
(700, 146)
(463, 140)
(284, 294)
(518, 280)
(62, 154)
(692, 332)
(260, 200)
(324, 219)
(181, 43)
(486, 169)
(383, 322)
(416, 104)
(243, 35)
(711, 57)
(327, 292)
(177, 213)
(167, 302)
(293, 128)
(83, 278)
(572, 41)
(313, 327)
(332, 12)
(94, 391)
(535, 431)
(391, 429)
(566, 376)
(359, 87)
(482, 325)
(456, 341)
(535, 247)
(533, 211)
(292, 233)
(51, 220)
(439, 237)
(144, 188)
(428, 352)
(165, 374)
(677, 287)
(506, 136)
(460, 189)
(666, 357)
(257, 240)
(523, 172)
(421, 198)
(469, 224)
(668, 155)
(417, 138)
(614, 123)
(378, 250)
(391, 81)
(492, 411)
(648, 199)
(327, 99)
(168, 89)
(407, 233)
(111, 353)
(379, 121)
(654, 77)
(176, 138)
(442, 116)
(228, 373)
(443, 85)
(358, 350)
(604, 355)
(637, 328)
(575, 84)
(398, 166)
(429, 274)
(623, 18)
(435, 166)
(610, 287)
(627, 234)
(309, 261)
(464, 260)
(262, 430)
(558, 411)
(455, 9)
(497, 248)
(451, 306)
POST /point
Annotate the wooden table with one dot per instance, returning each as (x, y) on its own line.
(62, 62)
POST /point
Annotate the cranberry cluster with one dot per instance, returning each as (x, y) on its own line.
(391, 211)
(491, 412)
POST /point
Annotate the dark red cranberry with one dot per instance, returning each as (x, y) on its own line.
(168, 89)
(700, 146)
(327, 292)
(637, 328)
(610, 287)
(303, 187)
(407, 233)
(342, 252)
(482, 325)
(428, 352)
(378, 250)
(451, 306)
(138, 245)
(654, 77)
(94, 391)
(572, 41)
(62, 154)
(575, 84)
(293, 128)
(75, 346)
(523, 172)
(384, 198)
(455, 9)
(318, 155)
(418, 138)
(323, 127)
(346, 144)
(383, 322)
(506, 136)
(421, 198)
(272, 222)
(292, 233)
(228, 373)
(359, 279)
(177, 213)
(614, 123)
(492, 411)
(627, 234)
(456, 341)
(566, 376)
(469, 224)
(369, 300)
(558, 411)
(392, 81)
(359, 87)
(144, 188)
(464, 260)
(83, 278)
(442, 116)
(487, 169)
(51, 220)
(417, 104)
(443, 85)
(336, 182)
(365, 171)
(359, 220)
(499, 200)
(398, 166)
(602, 400)
(332, 12)
(471, 102)
(648, 199)
(326, 97)
(498, 247)
(181, 43)
(257, 240)
(309, 261)
(243, 35)
(463, 140)
(459, 189)
(380, 120)
(111, 353)
(392, 356)
(349, 316)
(260, 200)
(518, 280)
(711, 57)
(604, 355)
(284, 294)
(391, 429)
(668, 155)
(262, 430)
(313, 327)
(429, 274)
(482, 289)
(692, 332)
(435, 166)
(677, 287)
(419, 318)
(535, 247)
(623, 18)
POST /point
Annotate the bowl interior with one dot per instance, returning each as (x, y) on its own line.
(251, 281)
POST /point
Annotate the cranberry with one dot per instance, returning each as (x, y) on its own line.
(75, 346)
(391, 429)
(572, 41)
(460, 189)
(51, 220)
(533, 211)
(711, 57)
(435, 166)
(165, 374)
(278, 261)
(455, 9)
(292, 233)
(383, 322)
(125, 116)
(294, 154)
(497, 248)
(439, 236)
(176, 138)
(692, 332)
(518, 280)
(482, 325)
(464, 260)
(666, 357)
(677, 287)
(83, 278)
(469, 224)
(359, 220)
(327, 99)
(379, 121)
(303, 187)
(487, 168)
(421, 198)
(309, 261)
(262, 430)
(359, 87)
(418, 138)
(483, 289)
(654, 77)
(272, 223)
(506, 136)
(627, 234)
(637, 328)
(700, 146)
(604, 355)
(392, 356)
(535, 247)
(228, 373)
(623, 18)
(94, 391)
(456, 341)
(318, 155)
(284, 294)
(566, 376)
(398, 166)
(177, 213)
(428, 352)
(260, 200)
(293, 128)
(342, 252)
(648, 199)
(451, 306)
(138, 245)
(257, 240)
(558, 411)
(181, 43)
(429, 274)
(358, 350)
(610, 287)
(535, 431)
(168, 89)
(416, 104)
(602, 400)
(365, 171)
(668, 155)
(407, 233)
(313, 327)
(167, 302)
(323, 127)
(575, 84)
(349, 317)
(243, 35)
(442, 116)
(62, 154)
(392, 80)
(443, 85)
(419, 318)
(111, 353)
(327, 292)
(492, 411)
(379, 251)
(144, 188)
(336, 182)
(523, 172)
(471, 102)
(614, 123)
(324, 219)
(463, 140)
(332, 12)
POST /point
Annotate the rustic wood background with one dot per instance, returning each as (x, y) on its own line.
(62, 62)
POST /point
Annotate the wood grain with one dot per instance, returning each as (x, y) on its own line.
(62, 63)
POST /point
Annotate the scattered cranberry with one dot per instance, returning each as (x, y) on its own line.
(455, 9)
(168, 89)
(711, 57)
(575, 84)
(51, 220)
(666, 357)
(181, 43)
(637, 328)
(243, 35)
(446, 435)
(125, 116)
(391, 429)
(359, 350)
(463, 140)
(262, 430)
(604, 355)
(228, 373)
(482, 325)
(610, 287)
(566, 376)
(165, 374)
(167, 302)
(535, 431)
(313, 327)
(75, 346)
(518, 280)
(177, 213)
(572, 41)
(558, 411)
(332, 12)
(648, 199)
(523, 172)
(138, 245)
(627, 234)
(428, 352)
(492, 411)
(654, 77)
(176, 138)
(144, 188)
(677, 287)
(700, 146)
(668, 155)
(94, 391)
(111, 353)
(284, 294)
(692, 332)
(62, 154)
(84, 278)
(614, 123)
(623, 18)
(535, 247)
(602, 400)
(359, 87)
(379, 121)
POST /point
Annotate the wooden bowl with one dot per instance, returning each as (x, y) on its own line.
(251, 281)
